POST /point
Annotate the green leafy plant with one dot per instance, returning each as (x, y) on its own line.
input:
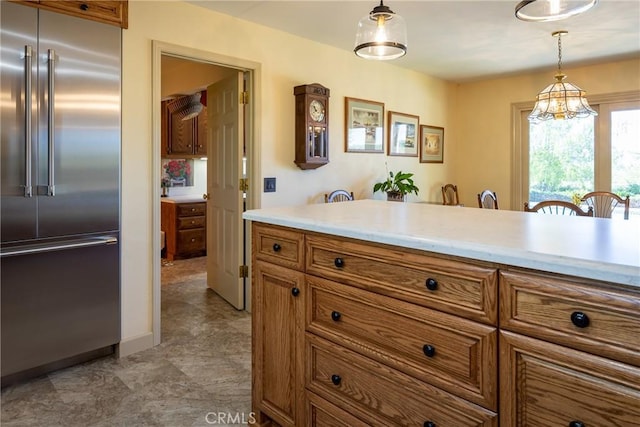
(397, 183)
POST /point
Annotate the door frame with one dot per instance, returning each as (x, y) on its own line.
(252, 147)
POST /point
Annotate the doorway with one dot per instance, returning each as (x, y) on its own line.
(192, 57)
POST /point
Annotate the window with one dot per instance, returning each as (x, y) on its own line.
(563, 159)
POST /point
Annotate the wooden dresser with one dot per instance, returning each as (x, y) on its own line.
(184, 224)
(348, 332)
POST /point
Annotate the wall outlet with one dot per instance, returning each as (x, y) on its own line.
(270, 185)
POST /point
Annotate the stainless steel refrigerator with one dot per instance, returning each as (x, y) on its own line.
(60, 102)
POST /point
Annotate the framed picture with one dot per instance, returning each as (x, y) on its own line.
(402, 137)
(431, 144)
(364, 126)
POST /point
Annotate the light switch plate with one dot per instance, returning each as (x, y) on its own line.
(270, 185)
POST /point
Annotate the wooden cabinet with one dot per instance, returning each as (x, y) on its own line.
(183, 138)
(278, 327)
(108, 12)
(569, 352)
(184, 225)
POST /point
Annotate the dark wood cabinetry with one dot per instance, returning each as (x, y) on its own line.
(184, 225)
(183, 138)
(108, 12)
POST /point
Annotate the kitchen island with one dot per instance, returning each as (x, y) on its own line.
(403, 313)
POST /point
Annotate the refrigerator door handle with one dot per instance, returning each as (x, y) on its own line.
(28, 58)
(51, 120)
(58, 246)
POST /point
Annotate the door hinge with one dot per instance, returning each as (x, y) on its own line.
(244, 271)
(244, 97)
(244, 185)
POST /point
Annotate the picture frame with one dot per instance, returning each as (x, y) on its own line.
(364, 126)
(431, 144)
(403, 134)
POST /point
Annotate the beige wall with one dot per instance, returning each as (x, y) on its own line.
(286, 61)
(482, 157)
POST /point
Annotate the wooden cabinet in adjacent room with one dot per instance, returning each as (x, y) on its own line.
(105, 11)
(184, 225)
(183, 138)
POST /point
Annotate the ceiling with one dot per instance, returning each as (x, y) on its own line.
(460, 40)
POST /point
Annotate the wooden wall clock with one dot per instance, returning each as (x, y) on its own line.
(312, 126)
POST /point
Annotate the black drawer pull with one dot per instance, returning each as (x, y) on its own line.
(429, 424)
(276, 247)
(84, 6)
(295, 292)
(335, 315)
(580, 319)
(576, 424)
(432, 284)
(429, 350)
(339, 262)
(335, 379)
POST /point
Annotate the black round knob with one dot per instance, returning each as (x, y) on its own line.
(335, 315)
(339, 262)
(84, 6)
(429, 424)
(576, 424)
(276, 247)
(295, 292)
(429, 350)
(580, 319)
(335, 379)
(432, 284)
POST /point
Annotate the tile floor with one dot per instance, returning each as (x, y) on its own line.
(199, 375)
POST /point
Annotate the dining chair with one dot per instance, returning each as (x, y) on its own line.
(488, 200)
(558, 207)
(450, 195)
(339, 196)
(604, 203)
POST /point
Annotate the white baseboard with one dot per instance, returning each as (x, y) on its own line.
(135, 344)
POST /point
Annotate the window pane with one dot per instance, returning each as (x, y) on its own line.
(625, 157)
(561, 159)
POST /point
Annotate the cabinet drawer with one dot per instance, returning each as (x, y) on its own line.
(448, 285)
(191, 240)
(191, 222)
(548, 385)
(191, 209)
(450, 352)
(381, 395)
(594, 317)
(321, 413)
(277, 245)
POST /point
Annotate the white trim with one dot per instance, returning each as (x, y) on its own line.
(135, 344)
(253, 147)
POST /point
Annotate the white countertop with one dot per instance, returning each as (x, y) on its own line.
(597, 248)
(182, 199)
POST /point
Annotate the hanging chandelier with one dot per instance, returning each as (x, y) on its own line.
(381, 35)
(551, 10)
(560, 100)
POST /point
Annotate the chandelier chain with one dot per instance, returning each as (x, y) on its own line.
(560, 53)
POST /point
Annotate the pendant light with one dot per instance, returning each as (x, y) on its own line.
(551, 10)
(560, 100)
(381, 35)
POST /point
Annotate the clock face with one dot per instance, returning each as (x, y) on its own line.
(316, 110)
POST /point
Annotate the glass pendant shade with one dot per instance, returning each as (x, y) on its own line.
(560, 100)
(381, 35)
(551, 10)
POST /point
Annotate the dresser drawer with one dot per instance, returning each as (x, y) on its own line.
(278, 245)
(453, 353)
(595, 317)
(191, 222)
(321, 413)
(448, 285)
(191, 240)
(191, 209)
(381, 395)
(548, 385)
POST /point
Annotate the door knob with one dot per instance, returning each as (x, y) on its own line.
(205, 196)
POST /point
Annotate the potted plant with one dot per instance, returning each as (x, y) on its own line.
(397, 186)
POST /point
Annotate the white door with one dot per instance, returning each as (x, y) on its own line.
(224, 206)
